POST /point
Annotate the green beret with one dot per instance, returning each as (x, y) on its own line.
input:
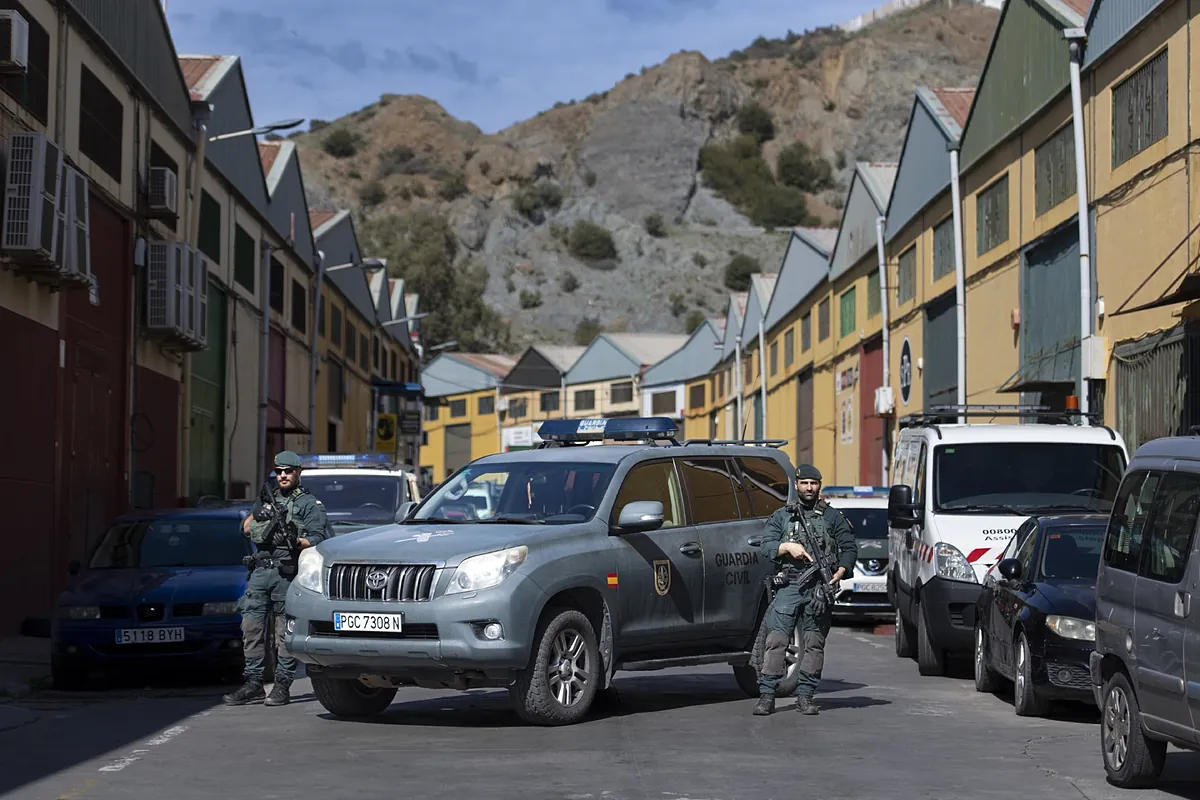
(287, 459)
(807, 472)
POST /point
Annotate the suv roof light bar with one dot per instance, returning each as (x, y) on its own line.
(855, 491)
(347, 461)
(573, 432)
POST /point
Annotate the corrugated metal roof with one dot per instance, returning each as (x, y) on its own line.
(563, 358)
(823, 239)
(740, 299)
(956, 102)
(267, 153)
(1080, 7)
(764, 284)
(319, 219)
(719, 322)
(1109, 22)
(648, 349)
(494, 364)
(202, 73)
(878, 177)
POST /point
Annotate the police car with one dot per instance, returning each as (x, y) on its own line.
(865, 508)
(358, 490)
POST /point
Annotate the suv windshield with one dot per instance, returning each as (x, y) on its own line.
(172, 542)
(357, 498)
(1024, 477)
(868, 523)
(555, 493)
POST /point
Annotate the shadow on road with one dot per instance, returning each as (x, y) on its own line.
(1180, 775)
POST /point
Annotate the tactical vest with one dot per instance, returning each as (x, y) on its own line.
(820, 525)
(258, 530)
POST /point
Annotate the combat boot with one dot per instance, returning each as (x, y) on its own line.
(765, 706)
(280, 694)
(805, 705)
(250, 692)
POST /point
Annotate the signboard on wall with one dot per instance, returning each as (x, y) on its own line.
(385, 433)
(906, 369)
(846, 423)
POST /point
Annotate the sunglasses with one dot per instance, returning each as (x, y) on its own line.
(285, 471)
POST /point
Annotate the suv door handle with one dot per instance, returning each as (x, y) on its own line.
(755, 541)
(690, 548)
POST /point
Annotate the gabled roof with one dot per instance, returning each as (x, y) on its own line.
(1109, 22)
(804, 267)
(495, 365)
(822, 240)
(878, 177)
(203, 73)
(734, 315)
(322, 220)
(762, 286)
(461, 373)
(866, 201)
(274, 157)
(951, 106)
(696, 357)
(563, 358)
(647, 349)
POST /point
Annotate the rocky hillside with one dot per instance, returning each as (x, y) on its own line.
(624, 210)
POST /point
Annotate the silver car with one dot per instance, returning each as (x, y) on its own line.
(637, 555)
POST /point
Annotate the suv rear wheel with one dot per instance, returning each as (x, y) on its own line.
(558, 686)
(1130, 759)
(349, 697)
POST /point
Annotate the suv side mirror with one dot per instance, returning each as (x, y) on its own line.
(1009, 569)
(404, 510)
(902, 513)
(640, 516)
(73, 568)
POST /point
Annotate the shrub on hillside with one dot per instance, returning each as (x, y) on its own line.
(781, 207)
(587, 330)
(372, 194)
(569, 282)
(737, 171)
(655, 226)
(454, 185)
(532, 202)
(693, 320)
(755, 120)
(395, 160)
(738, 272)
(530, 299)
(591, 242)
(340, 143)
(804, 169)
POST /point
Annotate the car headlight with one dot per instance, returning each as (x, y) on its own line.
(952, 564)
(310, 569)
(219, 609)
(486, 570)
(79, 612)
(1072, 628)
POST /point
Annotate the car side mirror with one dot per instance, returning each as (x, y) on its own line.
(640, 516)
(902, 513)
(1009, 569)
(405, 509)
(73, 568)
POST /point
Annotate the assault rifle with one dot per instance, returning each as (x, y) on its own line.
(823, 564)
(275, 534)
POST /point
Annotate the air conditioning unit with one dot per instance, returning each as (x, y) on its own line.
(164, 287)
(14, 41)
(75, 232)
(32, 194)
(187, 298)
(885, 401)
(163, 195)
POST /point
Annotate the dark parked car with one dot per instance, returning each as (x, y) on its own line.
(160, 587)
(1036, 616)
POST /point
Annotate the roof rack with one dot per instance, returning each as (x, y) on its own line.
(936, 415)
(578, 432)
(738, 442)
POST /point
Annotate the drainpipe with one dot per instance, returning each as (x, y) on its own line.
(960, 291)
(264, 355)
(1077, 37)
(562, 393)
(762, 378)
(316, 356)
(193, 241)
(880, 226)
(737, 369)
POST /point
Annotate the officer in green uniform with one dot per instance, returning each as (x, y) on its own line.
(803, 605)
(293, 520)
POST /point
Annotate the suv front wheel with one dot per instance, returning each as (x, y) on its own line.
(558, 686)
(1130, 759)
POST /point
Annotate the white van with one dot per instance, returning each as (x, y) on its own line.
(960, 491)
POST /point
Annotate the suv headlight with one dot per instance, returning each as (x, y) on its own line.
(486, 570)
(310, 569)
(219, 609)
(952, 564)
(1072, 628)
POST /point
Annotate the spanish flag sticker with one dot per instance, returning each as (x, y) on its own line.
(612, 579)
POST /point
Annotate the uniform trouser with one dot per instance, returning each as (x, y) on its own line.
(790, 609)
(266, 592)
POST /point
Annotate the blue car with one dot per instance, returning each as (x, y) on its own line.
(160, 587)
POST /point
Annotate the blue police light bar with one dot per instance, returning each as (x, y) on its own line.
(621, 429)
(855, 491)
(345, 460)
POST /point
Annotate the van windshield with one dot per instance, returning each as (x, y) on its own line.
(1026, 477)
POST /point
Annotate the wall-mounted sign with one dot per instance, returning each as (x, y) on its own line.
(906, 368)
(847, 420)
(847, 378)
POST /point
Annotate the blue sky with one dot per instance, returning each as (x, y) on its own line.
(491, 62)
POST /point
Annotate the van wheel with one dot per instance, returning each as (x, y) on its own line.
(558, 686)
(791, 664)
(904, 637)
(986, 678)
(930, 660)
(349, 697)
(1131, 761)
(1026, 701)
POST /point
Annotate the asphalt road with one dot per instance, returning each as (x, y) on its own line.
(883, 732)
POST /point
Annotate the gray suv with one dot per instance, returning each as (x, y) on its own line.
(1146, 663)
(639, 555)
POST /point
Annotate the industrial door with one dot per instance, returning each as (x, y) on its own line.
(872, 442)
(804, 418)
(207, 431)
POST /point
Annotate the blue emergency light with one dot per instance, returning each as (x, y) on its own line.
(346, 461)
(855, 491)
(621, 429)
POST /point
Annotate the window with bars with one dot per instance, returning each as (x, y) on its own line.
(486, 405)
(943, 248)
(549, 401)
(873, 294)
(276, 285)
(458, 408)
(848, 312)
(244, 259)
(806, 332)
(991, 216)
(823, 320)
(299, 306)
(101, 124)
(789, 347)
(335, 326)
(585, 399)
(518, 407)
(1140, 111)
(906, 276)
(1054, 170)
(31, 88)
(774, 351)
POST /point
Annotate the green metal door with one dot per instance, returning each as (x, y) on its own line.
(205, 465)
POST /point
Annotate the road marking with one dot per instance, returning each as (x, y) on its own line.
(121, 763)
(865, 640)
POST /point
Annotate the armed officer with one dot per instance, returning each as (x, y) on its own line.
(804, 604)
(281, 524)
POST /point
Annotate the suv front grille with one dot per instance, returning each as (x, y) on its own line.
(389, 583)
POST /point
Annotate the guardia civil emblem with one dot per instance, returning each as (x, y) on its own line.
(662, 577)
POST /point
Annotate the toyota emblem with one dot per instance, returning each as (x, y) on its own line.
(376, 579)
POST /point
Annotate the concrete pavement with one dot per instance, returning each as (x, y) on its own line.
(883, 732)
